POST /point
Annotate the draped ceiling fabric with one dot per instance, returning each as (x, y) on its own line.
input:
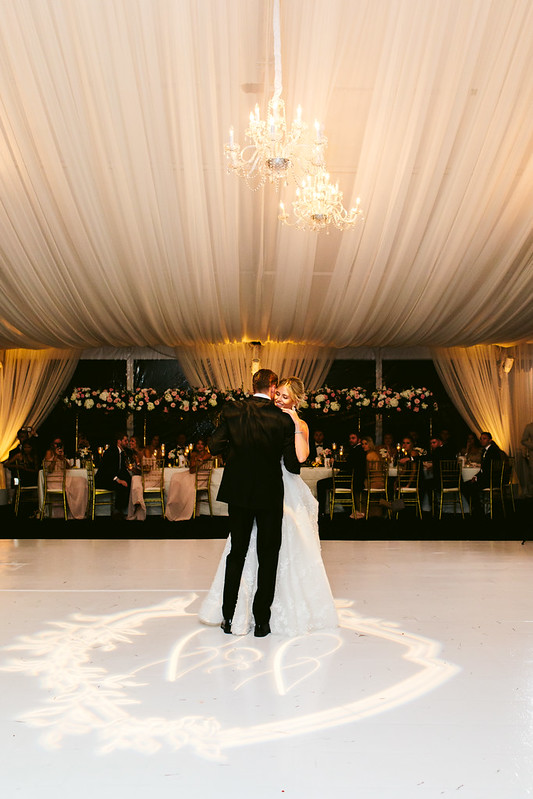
(120, 227)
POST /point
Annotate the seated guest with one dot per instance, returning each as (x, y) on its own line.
(388, 450)
(408, 453)
(414, 435)
(22, 436)
(472, 450)
(369, 448)
(371, 456)
(135, 455)
(490, 452)
(153, 449)
(84, 451)
(409, 457)
(200, 454)
(448, 445)
(181, 440)
(113, 473)
(26, 462)
(432, 461)
(356, 461)
(377, 480)
(317, 444)
(54, 458)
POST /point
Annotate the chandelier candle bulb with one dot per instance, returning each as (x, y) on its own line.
(274, 152)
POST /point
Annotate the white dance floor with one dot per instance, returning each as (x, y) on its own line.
(111, 688)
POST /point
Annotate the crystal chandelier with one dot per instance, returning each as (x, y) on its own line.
(318, 205)
(276, 152)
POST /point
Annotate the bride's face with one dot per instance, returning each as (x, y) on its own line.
(282, 397)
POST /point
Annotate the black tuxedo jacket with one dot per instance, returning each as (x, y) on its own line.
(491, 453)
(356, 463)
(253, 435)
(113, 464)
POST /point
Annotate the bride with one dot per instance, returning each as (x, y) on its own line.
(303, 601)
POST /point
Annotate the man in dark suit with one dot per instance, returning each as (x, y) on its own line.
(113, 473)
(490, 452)
(253, 435)
(317, 444)
(354, 462)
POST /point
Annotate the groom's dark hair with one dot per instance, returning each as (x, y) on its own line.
(263, 379)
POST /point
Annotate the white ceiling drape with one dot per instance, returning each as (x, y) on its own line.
(120, 227)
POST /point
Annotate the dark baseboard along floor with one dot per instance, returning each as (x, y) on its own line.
(517, 526)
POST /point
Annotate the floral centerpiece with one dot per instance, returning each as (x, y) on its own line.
(85, 454)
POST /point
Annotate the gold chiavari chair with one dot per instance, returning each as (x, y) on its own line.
(153, 482)
(24, 493)
(376, 484)
(408, 485)
(97, 497)
(54, 488)
(448, 486)
(202, 484)
(341, 491)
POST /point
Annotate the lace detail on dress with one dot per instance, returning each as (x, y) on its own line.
(303, 601)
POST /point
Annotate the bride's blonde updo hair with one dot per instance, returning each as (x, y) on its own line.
(295, 388)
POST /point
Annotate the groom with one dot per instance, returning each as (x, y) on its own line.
(254, 435)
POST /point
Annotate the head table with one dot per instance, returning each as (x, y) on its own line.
(178, 493)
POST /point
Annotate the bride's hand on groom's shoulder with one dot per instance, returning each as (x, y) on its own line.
(292, 413)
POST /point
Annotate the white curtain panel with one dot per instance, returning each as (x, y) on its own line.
(480, 390)
(120, 227)
(521, 388)
(31, 383)
(229, 365)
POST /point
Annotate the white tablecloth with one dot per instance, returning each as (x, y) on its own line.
(310, 475)
(77, 493)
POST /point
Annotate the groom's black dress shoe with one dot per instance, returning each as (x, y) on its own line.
(261, 630)
(226, 626)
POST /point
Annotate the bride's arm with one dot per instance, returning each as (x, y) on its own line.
(301, 435)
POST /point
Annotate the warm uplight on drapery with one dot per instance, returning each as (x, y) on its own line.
(31, 382)
(487, 397)
(229, 365)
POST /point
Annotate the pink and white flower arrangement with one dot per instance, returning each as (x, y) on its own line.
(324, 400)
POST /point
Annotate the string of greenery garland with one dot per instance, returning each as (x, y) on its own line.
(324, 400)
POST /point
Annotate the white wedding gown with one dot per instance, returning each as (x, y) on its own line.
(303, 601)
